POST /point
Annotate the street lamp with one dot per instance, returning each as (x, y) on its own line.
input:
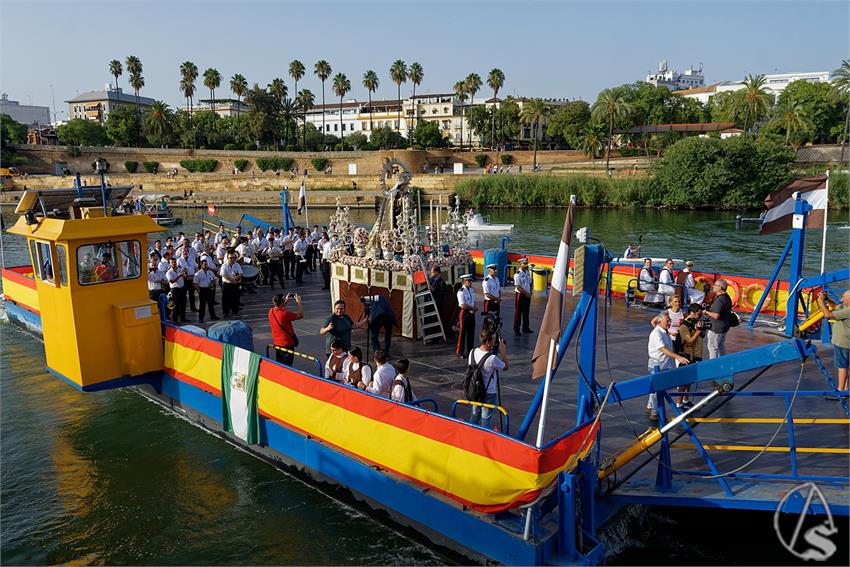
(100, 167)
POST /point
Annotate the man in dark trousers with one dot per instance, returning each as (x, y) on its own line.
(381, 318)
(522, 286)
(466, 317)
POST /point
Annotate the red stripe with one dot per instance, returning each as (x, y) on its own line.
(194, 342)
(13, 276)
(8, 297)
(193, 381)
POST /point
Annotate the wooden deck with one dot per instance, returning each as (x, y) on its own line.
(621, 354)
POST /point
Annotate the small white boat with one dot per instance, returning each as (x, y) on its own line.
(478, 223)
(156, 207)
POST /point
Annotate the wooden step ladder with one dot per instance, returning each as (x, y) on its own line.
(430, 326)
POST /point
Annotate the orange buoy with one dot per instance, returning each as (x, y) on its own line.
(748, 301)
(736, 298)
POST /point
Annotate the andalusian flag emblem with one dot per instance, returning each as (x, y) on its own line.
(240, 370)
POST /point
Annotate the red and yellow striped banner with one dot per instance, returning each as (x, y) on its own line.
(481, 469)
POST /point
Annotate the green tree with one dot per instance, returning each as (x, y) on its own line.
(479, 118)
(460, 94)
(822, 105)
(841, 84)
(371, 83)
(495, 80)
(238, 85)
(341, 87)
(212, 80)
(792, 117)
(610, 106)
(115, 70)
(753, 100)
(296, 71)
(568, 122)
(157, 124)
(427, 135)
(398, 75)
(723, 107)
(323, 70)
(81, 132)
(123, 126)
(277, 88)
(356, 140)
(137, 81)
(13, 132)
(188, 75)
(306, 100)
(288, 116)
(507, 120)
(386, 137)
(473, 85)
(262, 116)
(591, 139)
(416, 75)
(532, 113)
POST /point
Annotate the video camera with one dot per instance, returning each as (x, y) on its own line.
(493, 322)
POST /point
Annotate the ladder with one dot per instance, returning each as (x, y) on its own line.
(430, 326)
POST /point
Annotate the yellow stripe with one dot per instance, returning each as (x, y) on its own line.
(197, 364)
(832, 450)
(797, 420)
(21, 293)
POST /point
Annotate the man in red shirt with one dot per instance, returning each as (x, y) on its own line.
(280, 321)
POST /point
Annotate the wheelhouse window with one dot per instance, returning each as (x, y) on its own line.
(108, 261)
(62, 260)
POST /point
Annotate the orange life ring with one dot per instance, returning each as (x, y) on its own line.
(705, 280)
(737, 289)
(750, 303)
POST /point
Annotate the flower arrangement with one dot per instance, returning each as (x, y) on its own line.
(361, 237)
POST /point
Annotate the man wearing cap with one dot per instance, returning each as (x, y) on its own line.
(522, 285)
(721, 313)
(492, 290)
(695, 294)
(466, 317)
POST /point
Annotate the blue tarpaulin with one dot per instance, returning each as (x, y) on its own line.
(233, 332)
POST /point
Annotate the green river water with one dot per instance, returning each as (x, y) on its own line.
(111, 478)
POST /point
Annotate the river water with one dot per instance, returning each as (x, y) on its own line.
(111, 478)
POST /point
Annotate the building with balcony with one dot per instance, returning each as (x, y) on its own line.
(24, 113)
(96, 105)
(221, 106)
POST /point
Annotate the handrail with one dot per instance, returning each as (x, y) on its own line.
(423, 401)
(483, 405)
(298, 354)
(637, 288)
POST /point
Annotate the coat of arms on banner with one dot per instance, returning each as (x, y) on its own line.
(237, 381)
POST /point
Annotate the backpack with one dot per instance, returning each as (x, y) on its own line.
(473, 383)
(734, 320)
(408, 391)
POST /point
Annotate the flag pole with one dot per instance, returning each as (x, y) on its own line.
(542, 423)
(825, 225)
(306, 208)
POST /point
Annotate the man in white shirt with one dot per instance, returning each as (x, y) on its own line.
(275, 261)
(325, 248)
(204, 282)
(522, 287)
(165, 262)
(231, 277)
(199, 244)
(221, 250)
(221, 235)
(245, 251)
(666, 281)
(402, 390)
(156, 282)
(382, 379)
(696, 294)
(288, 240)
(466, 317)
(492, 288)
(313, 252)
(490, 364)
(177, 282)
(300, 248)
(648, 284)
(661, 356)
(188, 265)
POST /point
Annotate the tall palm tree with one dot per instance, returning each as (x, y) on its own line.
(753, 100)
(158, 122)
(473, 85)
(792, 117)
(341, 87)
(289, 110)
(188, 74)
(116, 71)
(841, 84)
(212, 80)
(398, 75)
(322, 69)
(239, 86)
(278, 90)
(371, 82)
(416, 74)
(306, 100)
(134, 68)
(495, 80)
(532, 113)
(296, 71)
(611, 105)
(460, 93)
(592, 140)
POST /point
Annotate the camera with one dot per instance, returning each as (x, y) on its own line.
(493, 322)
(369, 300)
(704, 323)
(289, 296)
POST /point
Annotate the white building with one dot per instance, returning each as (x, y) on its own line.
(675, 81)
(773, 84)
(24, 113)
(96, 105)
(222, 106)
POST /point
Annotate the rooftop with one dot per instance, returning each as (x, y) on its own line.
(111, 94)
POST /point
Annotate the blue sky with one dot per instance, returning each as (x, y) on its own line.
(549, 49)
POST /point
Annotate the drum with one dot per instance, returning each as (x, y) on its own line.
(249, 274)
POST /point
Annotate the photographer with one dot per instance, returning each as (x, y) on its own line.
(381, 318)
(339, 326)
(721, 313)
(492, 363)
(280, 320)
(691, 333)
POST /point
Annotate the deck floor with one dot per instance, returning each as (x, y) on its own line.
(437, 373)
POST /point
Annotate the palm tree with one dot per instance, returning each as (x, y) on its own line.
(134, 68)
(371, 82)
(398, 75)
(610, 106)
(841, 84)
(278, 90)
(323, 70)
(460, 93)
(792, 117)
(212, 80)
(592, 140)
(289, 110)
(158, 122)
(341, 87)
(296, 71)
(306, 101)
(188, 74)
(473, 85)
(533, 112)
(116, 71)
(495, 80)
(239, 86)
(416, 74)
(753, 100)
